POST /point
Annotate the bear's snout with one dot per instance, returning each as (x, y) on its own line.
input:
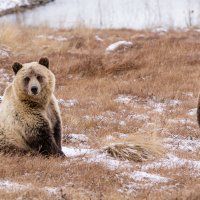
(34, 90)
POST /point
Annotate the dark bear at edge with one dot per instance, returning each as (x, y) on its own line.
(30, 120)
(198, 111)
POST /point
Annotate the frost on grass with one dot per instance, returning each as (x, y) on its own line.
(73, 152)
(153, 103)
(11, 185)
(107, 117)
(171, 162)
(4, 77)
(98, 38)
(1, 99)
(77, 138)
(181, 121)
(4, 53)
(141, 117)
(68, 103)
(145, 176)
(107, 161)
(120, 45)
(51, 190)
(96, 156)
(182, 144)
(52, 37)
(157, 106)
(123, 99)
(192, 112)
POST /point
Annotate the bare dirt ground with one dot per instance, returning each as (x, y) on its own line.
(140, 91)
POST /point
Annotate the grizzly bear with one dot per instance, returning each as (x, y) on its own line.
(30, 118)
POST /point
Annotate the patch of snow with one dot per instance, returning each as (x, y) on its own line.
(122, 123)
(77, 137)
(11, 185)
(106, 117)
(181, 121)
(4, 54)
(68, 103)
(117, 45)
(51, 190)
(172, 161)
(142, 176)
(123, 99)
(107, 161)
(160, 29)
(52, 37)
(1, 99)
(122, 135)
(141, 117)
(174, 102)
(192, 112)
(98, 38)
(109, 138)
(189, 94)
(73, 152)
(157, 106)
(5, 4)
(182, 144)
(116, 135)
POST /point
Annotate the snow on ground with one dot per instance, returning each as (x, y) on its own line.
(80, 138)
(182, 144)
(1, 99)
(51, 190)
(181, 121)
(118, 46)
(52, 37)
(96, 156)
(4, 77)
(152, 103)
(4, 53)
(11, 185)
(141, 117)
(158, 107)
(124, 99)
(192, 112)
(145, 176)
(73, 152)
(68, 103)
(5, 4)
(98, 38)
(171, 161)
(107, 161)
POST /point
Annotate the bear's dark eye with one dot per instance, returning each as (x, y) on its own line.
(26, 79)
(39, 78)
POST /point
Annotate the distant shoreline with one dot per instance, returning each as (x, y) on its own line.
(21, 7)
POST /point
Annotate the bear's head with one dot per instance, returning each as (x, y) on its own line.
(33, 82)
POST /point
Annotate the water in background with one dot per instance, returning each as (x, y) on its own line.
(137, 14)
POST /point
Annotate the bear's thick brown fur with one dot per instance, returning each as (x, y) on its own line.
(29, 114)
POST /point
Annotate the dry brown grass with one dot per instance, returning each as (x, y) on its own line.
(159, 67)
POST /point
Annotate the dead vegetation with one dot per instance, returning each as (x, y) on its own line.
(158, 69)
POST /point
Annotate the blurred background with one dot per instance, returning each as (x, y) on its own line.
(134, 14)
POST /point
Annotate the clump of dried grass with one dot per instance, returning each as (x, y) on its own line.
(135, 148)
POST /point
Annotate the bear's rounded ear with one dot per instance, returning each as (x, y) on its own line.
(44, 61)
(16, 67)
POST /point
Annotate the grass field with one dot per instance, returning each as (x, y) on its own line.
(143, 94)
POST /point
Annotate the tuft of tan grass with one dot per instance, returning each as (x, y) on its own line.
(135, 148)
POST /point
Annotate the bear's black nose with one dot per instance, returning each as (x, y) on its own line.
(34, 89)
